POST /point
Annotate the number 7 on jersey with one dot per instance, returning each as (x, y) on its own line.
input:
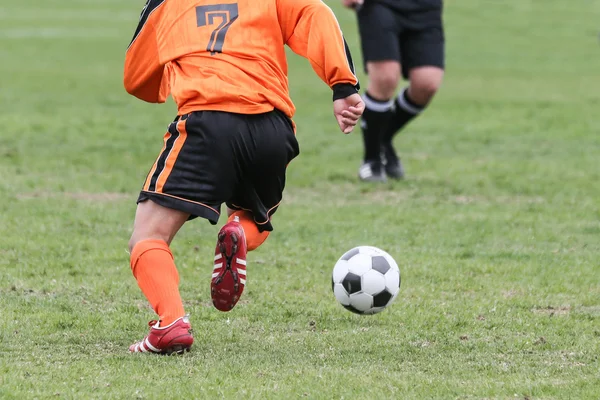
(206, 15)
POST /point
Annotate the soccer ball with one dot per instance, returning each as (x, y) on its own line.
(366, 280)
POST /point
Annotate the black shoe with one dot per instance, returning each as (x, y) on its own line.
(391, 161)
(371, 171)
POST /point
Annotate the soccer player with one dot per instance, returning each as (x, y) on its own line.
(225, 66)
(398, 37)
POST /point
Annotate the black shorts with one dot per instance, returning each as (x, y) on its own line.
(212, 157)
(413, 38)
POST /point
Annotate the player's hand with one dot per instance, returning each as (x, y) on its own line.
(352, 3)
(347, 111)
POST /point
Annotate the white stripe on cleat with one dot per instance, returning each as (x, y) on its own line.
(154, 349)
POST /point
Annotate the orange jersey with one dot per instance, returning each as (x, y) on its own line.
(230, 56)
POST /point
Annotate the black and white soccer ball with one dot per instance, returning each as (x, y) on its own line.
(366, 280)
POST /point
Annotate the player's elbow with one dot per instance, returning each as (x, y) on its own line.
(140, 91)
(129, 82)
(145, 86)
(132, 80)
(129, 87)
(136, 91)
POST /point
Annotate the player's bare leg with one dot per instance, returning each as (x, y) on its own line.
(424, 83)
(153, 266)
(383, 81)
(384, 77)
(238, 236)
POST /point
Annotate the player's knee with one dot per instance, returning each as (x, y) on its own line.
(422, 92)
(132, 243)
(424, 84)
(383, 87)
(384, 77)
(138, 237)
(153, 221)
(386, 81)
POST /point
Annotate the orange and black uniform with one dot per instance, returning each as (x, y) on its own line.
(225, 66)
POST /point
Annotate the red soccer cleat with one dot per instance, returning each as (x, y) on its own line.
(229, 272)
(175, 338)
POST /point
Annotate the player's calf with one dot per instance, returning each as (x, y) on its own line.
(254, 237)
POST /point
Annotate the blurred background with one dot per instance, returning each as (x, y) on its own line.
(496, 227)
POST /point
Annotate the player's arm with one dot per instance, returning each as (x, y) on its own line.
(145, 77)
(311, 30)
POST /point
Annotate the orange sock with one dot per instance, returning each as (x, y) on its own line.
(153, 266)
(254, 238)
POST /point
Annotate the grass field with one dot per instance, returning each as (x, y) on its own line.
(496, 228)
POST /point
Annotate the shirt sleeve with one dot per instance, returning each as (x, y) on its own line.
(145, 77)
(311, 30)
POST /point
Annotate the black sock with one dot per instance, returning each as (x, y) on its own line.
(405, 110)
(375, 120)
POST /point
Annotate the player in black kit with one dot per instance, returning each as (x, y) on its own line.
(399, 38)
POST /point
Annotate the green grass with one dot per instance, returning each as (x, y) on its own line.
(496, 228)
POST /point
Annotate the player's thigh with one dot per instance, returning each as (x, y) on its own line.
(197, 170)
(153, 221)
(379, 31)
(273, 145)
